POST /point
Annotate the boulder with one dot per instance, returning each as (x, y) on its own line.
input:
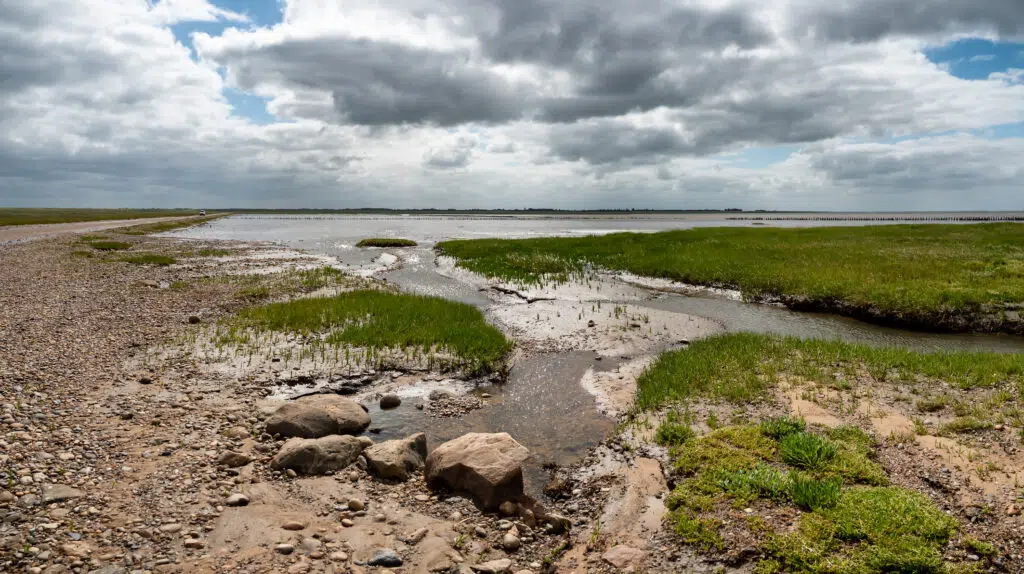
(486, 466)
(397, 459)
(319, 455)
(318, 416)
(390, 401)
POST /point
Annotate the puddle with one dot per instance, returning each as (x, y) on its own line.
(541, 405)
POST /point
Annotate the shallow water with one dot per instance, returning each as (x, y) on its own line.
(543, 405)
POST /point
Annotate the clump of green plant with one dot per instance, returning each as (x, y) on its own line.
(869, 529)
(933, 404)
(762, 481)
(150, 259)
(110, 245)
(807, 450)
(810, 493)
(964, 425)
(780, 427)
(980, 547)
(847, 523)
(673, 431)
(213, 252)
(83, 254)
(386, 242)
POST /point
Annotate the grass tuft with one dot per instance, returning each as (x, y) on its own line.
(110, 245)
(386, 242)
(673, 431)
(150, 259)
(808, 451)
(812, 493)
(781, 427)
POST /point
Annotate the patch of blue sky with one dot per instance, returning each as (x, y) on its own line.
(261, 13)
(977, 58)
(249, 106)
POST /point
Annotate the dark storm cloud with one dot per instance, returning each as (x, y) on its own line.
(606, 141)
(617, 54)
(869, 20)
(377, 83)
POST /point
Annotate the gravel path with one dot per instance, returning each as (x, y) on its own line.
(21, 233)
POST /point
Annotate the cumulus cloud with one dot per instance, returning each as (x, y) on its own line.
(505, 102)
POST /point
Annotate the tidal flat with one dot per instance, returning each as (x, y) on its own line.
(140, 386)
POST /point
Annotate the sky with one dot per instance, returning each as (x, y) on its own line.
(882, 105)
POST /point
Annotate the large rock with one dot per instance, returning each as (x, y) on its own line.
(488, 467)
(396, 459)
(317, 416)
(319, 455)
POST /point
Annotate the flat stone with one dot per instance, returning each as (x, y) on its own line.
(284, 549)
(502, 566)
(232, 459)
(60, 493)
(623, 557)
(386, 558)
(293, 525)
(318, 416)
(319, 455)
(194, 543)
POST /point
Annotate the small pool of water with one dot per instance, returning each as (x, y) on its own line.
(541, 405)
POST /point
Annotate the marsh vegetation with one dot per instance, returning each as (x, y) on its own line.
(961, 277)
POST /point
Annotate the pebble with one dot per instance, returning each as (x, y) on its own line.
(356, 505)
(390, 401)
(339, 556)
(347, 523)
(193, 543)
(510, 543)
(422, 498)
(237, 499)
(284, 549)
(293, 525)
(386, 558)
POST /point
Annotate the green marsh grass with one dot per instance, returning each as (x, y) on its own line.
(375, 320)
(150, 259)
(36, 216)
(386, 242)
(742, 367)
(110, 245)
(910, 273)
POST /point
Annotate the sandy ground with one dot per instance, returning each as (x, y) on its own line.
(21, 233)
